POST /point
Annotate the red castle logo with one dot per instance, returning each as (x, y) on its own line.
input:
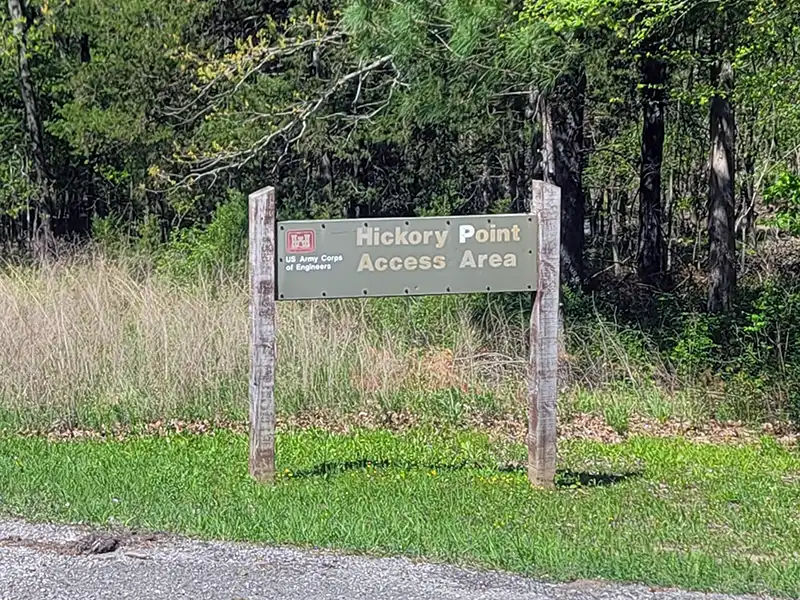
(300, 241)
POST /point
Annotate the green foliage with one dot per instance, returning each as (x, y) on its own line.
(695, 348)
(617, 416)
(783, 197)
(749, 360)
(772, 352)
(15, 188)
(418, 321)
(774, 317)
(218, 248)
(111, 234)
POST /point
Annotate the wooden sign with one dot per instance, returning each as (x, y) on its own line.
(294, 260)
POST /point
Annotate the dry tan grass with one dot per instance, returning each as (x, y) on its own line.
(91, 341)
(89, 336)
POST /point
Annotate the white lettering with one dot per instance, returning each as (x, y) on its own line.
(364, 236)
(374, 236)
(309, 267)
(365, 264)
(465, 232)
(467, 260)
(415, 238)
(495, 261)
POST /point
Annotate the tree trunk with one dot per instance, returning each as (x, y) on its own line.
(613, 211)
(42, 234)
(563, 166)
(651, 239)
(747, 217)
(86, 52)
(622, 220)
(670, 218)
(531, 144)
(721, 231)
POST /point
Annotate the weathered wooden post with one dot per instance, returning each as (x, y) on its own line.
(543, 362)
(263, 334)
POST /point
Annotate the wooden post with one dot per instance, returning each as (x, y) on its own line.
(543, 361)
(263, 335)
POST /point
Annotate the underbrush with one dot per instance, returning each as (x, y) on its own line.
(132, 330)
(93, 340)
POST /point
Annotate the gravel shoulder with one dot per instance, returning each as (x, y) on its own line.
(39, 562)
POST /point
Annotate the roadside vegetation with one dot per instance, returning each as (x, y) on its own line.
(98, 339)
(133, 132)
(123, 401)
(665, 512)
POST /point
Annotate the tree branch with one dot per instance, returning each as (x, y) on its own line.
(212, 166)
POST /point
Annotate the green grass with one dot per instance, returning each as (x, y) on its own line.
(662, 512)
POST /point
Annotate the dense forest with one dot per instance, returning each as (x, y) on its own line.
(672, 127)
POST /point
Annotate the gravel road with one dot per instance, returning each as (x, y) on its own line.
(39, 562)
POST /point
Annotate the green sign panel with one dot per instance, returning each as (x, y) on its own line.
(347, 258)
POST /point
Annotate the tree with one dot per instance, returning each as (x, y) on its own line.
(651, 239)
(151, 112)
(721, 232)
(563, 160)
(653, 32)
(33, 129)
(722, 170)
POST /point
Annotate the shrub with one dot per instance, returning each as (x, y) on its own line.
(218, 248)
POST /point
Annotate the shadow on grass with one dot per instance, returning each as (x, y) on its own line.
(581, 479)
(564, 479)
